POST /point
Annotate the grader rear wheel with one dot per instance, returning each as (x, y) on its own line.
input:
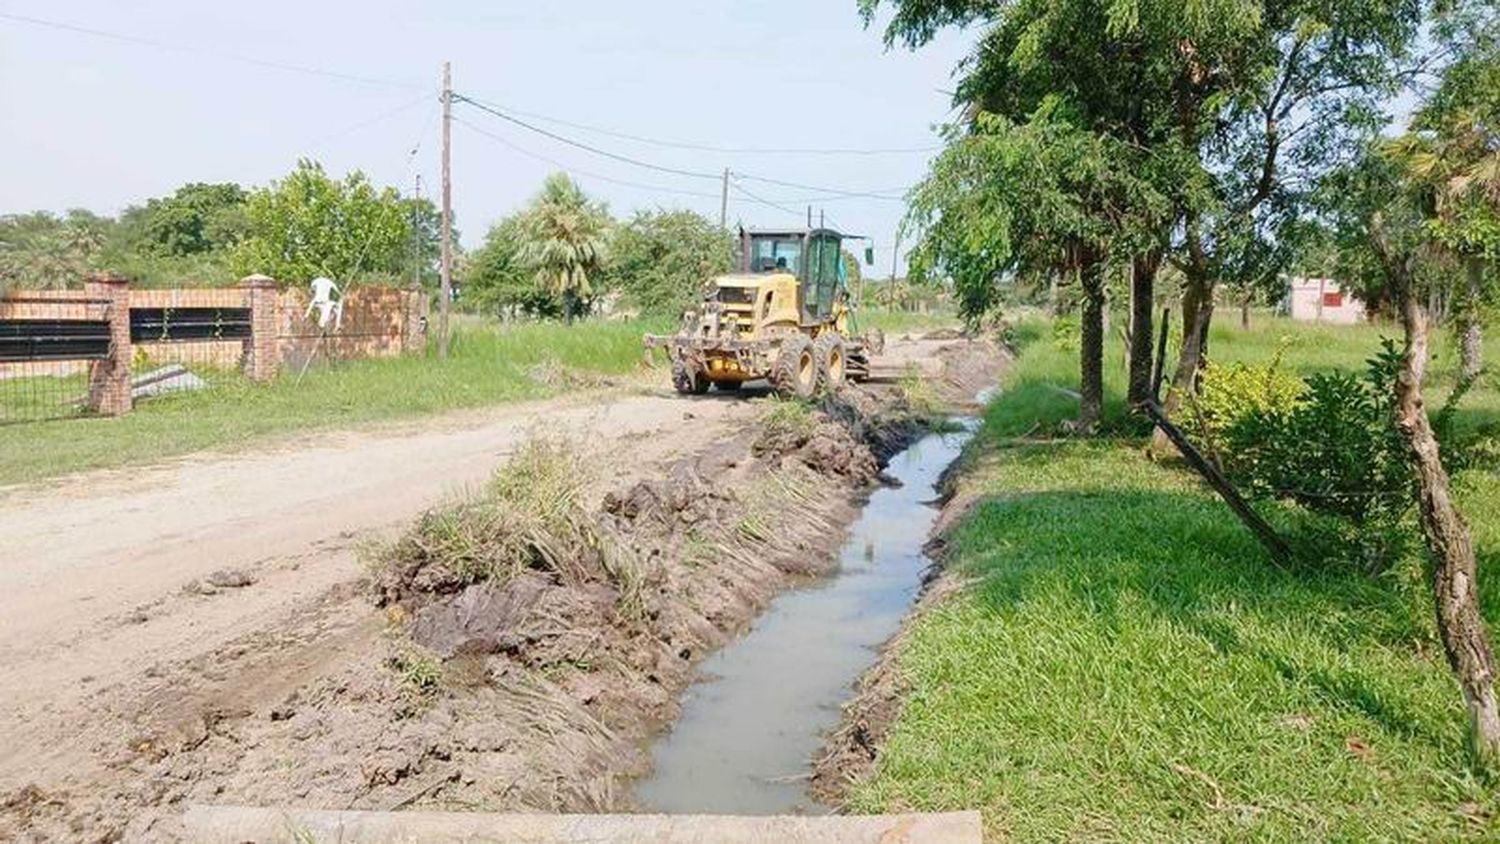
(832, 362)
(795, 373)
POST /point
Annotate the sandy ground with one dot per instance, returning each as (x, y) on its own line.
(97, 580)
(223, 582)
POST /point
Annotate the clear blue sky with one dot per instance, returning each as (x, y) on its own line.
(101, 123)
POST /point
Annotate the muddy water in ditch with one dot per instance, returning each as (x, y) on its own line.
(748, 731)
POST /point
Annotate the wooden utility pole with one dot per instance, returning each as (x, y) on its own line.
(416, 233)
(890, 292)
(446, 298)
(724, 201)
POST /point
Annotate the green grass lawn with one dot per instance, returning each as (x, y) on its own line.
(488, 365)
(1128, 665)
(896, 323)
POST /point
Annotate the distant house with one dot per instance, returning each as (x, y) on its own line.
(1323, 300)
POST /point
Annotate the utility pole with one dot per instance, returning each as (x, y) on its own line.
(447, 236)
(724, 201)
(416, 233)
(890, 293)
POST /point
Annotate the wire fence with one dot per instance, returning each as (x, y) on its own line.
(186, 349)
(50, 354)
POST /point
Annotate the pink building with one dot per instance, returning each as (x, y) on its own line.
(1322, 300)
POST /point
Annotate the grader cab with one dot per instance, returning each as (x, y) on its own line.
(787, 316)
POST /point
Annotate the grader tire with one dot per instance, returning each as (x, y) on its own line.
(833, 362)
(687, 382)
(795, 372)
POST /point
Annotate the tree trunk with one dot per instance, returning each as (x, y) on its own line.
(1142, 331)
(1197, 310)
(1454, 584)
(1471, 335)
(568, 307)
(1245, 315)
(1091, 347)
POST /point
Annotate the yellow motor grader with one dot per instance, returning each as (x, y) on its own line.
(786, 317)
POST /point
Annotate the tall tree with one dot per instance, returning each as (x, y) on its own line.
(563, 241)
(45, 251)
(1237, 104)
(1383, 216)
(1035, 198)
(196, 218)
(660, 260)
(310, 224)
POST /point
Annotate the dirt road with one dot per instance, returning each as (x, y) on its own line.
(107, 574)
(139, 605)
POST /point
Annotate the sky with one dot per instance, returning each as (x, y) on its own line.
(208, 92)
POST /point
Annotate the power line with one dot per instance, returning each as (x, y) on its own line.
(574, 170)
(827, 192)
(762, 200)
(693, 174)
(369, 121)
(833, 193)
(182, 48)
(730, 150)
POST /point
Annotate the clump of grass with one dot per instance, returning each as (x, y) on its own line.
(531, 517)
(788, 419)
(917, 392)
(419, 673)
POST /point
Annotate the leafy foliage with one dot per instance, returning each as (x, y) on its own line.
(309, 224)
(497, 282)
(661, 259)
(50, 252)
(1335, 449)
(1231, 394)
(564, 241)
(195, 219)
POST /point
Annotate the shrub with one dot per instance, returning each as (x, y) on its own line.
(1229, 394)
(1334, 449)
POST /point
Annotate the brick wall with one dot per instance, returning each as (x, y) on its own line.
(377, 322)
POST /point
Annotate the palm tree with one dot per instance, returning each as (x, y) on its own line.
(563, 241)
(1454, 155)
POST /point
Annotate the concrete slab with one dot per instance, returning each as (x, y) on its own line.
(237, 824)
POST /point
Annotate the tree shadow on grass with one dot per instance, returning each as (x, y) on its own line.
(1129, 558)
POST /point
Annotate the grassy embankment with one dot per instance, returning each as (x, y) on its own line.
(1127, 664)
(489, 365)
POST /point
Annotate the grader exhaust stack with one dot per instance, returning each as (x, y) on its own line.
(787, 317)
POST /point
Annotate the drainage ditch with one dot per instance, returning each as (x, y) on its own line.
(750, 727)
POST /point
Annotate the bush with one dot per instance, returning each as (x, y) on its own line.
(1333, 449)
(1229, 394)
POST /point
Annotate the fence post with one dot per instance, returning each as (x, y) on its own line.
(262, 351)
(414, 325)
(109, 379)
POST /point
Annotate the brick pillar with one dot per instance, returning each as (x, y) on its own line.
(262, 351)
(109, 379)
(414, 325)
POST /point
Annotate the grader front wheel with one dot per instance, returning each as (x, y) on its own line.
(795, 373)
(832, 362)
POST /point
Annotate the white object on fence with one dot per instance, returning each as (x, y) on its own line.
(328, 307)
